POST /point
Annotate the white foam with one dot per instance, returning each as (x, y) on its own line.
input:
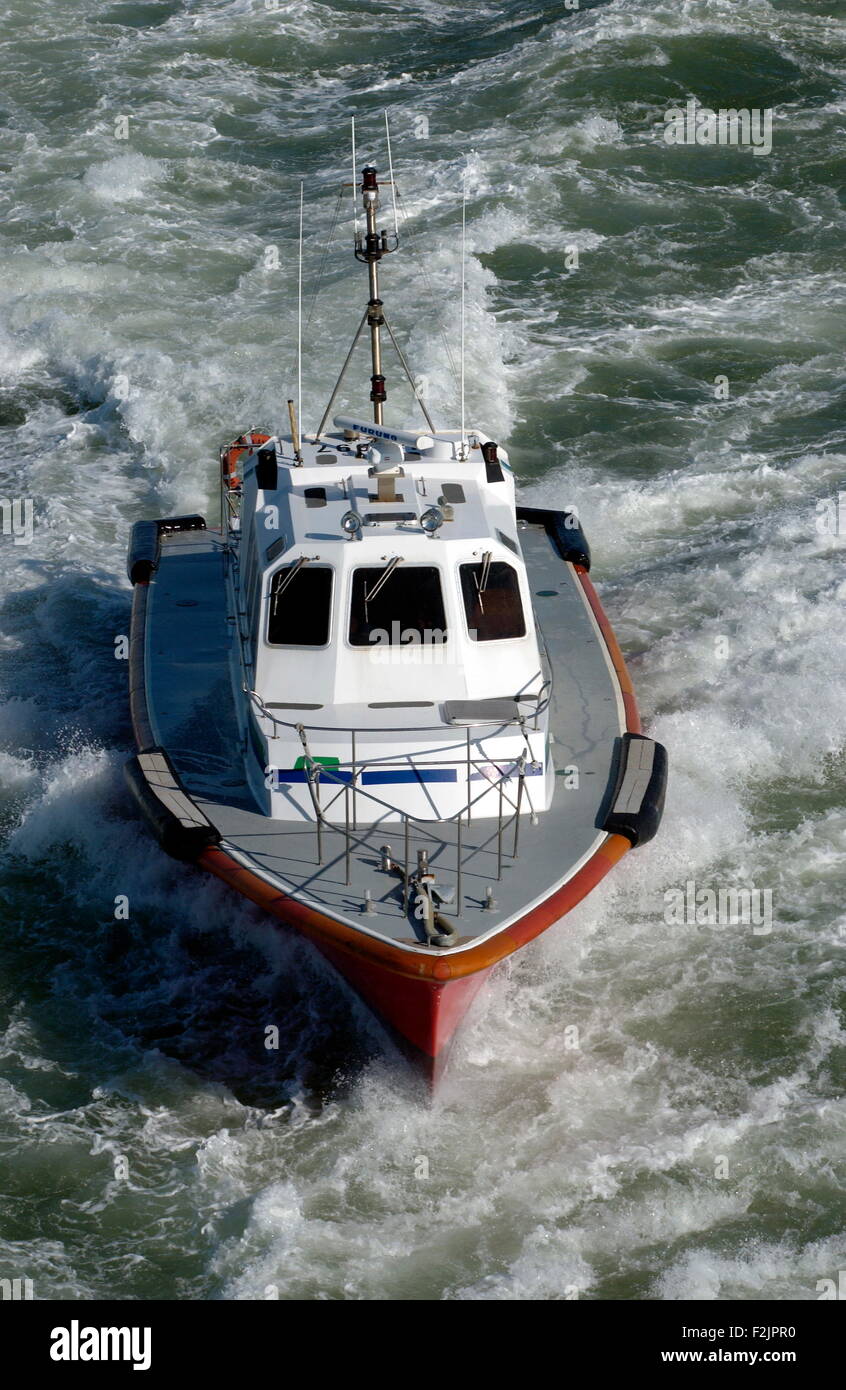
(773, 1271)
(126, 177)
(15, 771)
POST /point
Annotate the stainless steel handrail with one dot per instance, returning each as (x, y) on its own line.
(315, 769)
(359, 729)
(329, 774)
(502, 822)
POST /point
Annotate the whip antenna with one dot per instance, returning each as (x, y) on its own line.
(300, 317)
(391, 173)
(354, 179)
(463, 243)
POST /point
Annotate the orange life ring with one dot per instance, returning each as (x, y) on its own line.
(230, 455)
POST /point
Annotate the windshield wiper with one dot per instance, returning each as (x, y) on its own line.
(482, 580)
(295, 569)
(379, 585)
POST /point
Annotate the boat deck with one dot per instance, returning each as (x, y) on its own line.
(192, 714)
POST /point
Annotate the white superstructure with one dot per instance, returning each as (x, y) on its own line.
(383, 606)
(387, 649)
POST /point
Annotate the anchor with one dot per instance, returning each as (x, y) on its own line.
(425, 898)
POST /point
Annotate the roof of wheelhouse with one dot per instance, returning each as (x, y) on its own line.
(341, 475)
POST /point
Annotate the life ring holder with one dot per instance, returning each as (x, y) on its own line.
(230, 455)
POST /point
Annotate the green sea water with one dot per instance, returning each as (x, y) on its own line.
(657, 332)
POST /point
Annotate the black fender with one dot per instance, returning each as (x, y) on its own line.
(145, 542)
(564, 530)
(635, 802)
(177, 823)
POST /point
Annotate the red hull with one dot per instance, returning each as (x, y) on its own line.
(425, 1013)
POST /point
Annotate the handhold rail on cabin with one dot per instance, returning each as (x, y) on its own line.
(494, 723)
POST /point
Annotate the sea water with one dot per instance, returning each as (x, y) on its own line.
(638, 1107)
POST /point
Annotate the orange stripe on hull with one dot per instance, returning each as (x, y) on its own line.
(325, 930)
(633, 723)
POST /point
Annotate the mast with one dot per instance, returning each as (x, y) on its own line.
(370, 249)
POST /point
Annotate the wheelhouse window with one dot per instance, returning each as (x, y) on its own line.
(397, 604)
(492, 603)
(300, 606)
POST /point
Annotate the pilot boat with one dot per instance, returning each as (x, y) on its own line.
(381, 699)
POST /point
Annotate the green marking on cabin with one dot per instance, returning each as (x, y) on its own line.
(324, 762)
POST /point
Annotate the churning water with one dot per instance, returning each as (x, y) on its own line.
(693, 1144)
